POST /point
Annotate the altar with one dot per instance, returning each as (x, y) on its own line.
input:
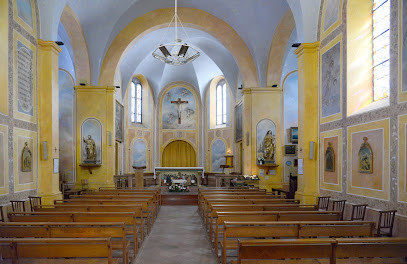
(190, 176)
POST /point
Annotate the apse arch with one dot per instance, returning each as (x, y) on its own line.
(191, 17)
(79, 45)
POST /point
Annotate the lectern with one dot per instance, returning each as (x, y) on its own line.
(138, 177)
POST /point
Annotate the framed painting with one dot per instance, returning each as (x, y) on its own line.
(290, 150)
(365, 157)
(239, 123)
(329, 158)
(294, 134)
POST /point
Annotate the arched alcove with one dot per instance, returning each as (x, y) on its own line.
(179, 153)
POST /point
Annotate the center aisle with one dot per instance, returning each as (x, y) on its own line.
(177, 237)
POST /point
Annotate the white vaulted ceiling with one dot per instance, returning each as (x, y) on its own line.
(253, 20)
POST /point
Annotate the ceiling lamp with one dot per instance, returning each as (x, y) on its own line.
(177, 52)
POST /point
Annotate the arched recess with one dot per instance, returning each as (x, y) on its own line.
(191, 17)
(79, 46)
(278, 48)
(210, 103)
(179, 153)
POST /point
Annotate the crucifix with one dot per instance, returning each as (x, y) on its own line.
(179, 102)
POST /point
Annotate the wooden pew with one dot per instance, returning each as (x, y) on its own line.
(100, 208)
(151, 207)
(112, 195)
(339, 250)
(130, 219)
(254, 207)
(116, 231)
(265, 216)
(78, 250)
(156, 192)
(202, 202)
(237, 230)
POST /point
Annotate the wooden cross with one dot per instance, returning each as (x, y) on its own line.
(179, 102)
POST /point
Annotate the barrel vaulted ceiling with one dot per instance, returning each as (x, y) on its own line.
(255, 21)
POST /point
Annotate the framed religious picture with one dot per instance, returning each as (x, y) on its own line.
(365, 157)
(329, 158)
(294, 134)
(239, 123)
(290, 150)
(119, 122)
(26, 159)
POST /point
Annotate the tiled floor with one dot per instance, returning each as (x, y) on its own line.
(177, 237)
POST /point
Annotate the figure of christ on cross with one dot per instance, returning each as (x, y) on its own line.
(179, 102)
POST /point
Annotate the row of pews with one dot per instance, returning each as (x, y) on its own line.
(253, 226)
(105, 226)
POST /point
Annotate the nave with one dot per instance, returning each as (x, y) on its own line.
(230, 225)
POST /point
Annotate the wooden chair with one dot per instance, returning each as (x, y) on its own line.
(1, 214)
(323, 202)
(34, 201)
(339, 206)
(18, 206)
(358, 212)
(386, 220)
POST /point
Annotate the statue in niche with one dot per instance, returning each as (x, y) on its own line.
(26, 159)
(269, 146)
(365, 157)
(90, 147)
(329, 158)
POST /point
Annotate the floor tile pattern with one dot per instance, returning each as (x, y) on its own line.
(177, 237)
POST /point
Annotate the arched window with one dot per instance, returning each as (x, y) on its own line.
(136, 102)
(381, 48)
(221, 113)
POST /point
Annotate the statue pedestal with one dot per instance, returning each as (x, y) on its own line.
(138, 177)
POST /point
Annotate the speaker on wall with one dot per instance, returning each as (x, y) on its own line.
(311, 150)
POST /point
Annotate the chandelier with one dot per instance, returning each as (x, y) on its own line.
(176, 52)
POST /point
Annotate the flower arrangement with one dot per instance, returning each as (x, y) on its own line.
(251, 177)
(260, 160)
(178, 188)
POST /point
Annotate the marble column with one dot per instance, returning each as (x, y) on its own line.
(48, 120)
(308, 123)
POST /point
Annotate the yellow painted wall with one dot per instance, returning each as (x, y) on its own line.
(262, 103)
(359, 55)
(99, 103)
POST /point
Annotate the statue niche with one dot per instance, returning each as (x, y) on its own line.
(266, 143)
(91, 147)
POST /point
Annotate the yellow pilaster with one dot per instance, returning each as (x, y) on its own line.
(96, 102)
(48, 120)
(248, 136)
(308, 116)
(260, 104)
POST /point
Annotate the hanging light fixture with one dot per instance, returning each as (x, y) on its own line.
(177, 52)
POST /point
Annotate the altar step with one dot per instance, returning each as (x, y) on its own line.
(179, 199)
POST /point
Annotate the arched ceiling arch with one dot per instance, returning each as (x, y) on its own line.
(78, 43)
(191, 18)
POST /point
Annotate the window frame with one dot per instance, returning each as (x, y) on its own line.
(136, 99)
(221, 104)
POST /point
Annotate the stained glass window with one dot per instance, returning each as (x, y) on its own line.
(381, 49)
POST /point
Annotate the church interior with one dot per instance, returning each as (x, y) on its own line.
(187, 131)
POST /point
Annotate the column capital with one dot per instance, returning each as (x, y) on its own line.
(307, 47)
(90, 88)
(49, 45)
(262, 90)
